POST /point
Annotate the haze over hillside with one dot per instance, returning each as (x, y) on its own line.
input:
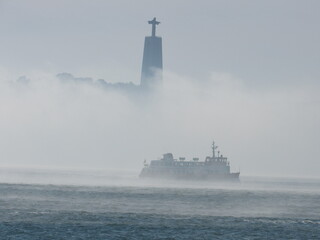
(243, 73)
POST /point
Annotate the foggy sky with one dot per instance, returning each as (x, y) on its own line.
(263, 42)
(245, 73)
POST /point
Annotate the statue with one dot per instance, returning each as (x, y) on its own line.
(154, 22)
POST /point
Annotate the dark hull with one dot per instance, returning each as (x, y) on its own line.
(196, 175)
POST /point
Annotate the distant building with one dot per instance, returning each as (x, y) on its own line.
(151, 74)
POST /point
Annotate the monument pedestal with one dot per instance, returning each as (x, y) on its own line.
(151, 74)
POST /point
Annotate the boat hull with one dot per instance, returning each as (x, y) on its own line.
(187, 175)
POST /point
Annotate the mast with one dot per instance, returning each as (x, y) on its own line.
(214, 147)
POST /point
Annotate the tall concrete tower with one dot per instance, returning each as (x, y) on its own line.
(151, 74)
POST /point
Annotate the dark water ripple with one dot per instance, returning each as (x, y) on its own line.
(83, 225)
(74, 212)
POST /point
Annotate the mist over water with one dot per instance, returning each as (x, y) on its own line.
(100, 205)
(242, 73)
(50, 123)
(72, 153)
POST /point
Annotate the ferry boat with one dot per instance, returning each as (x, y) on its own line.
(216, 167)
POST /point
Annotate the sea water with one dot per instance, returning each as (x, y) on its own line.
(68, 205)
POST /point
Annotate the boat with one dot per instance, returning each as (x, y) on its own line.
(214, 168)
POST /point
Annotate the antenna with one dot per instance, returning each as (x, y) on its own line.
(214, 147)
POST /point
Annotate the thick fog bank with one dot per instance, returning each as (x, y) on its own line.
(46, 122)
